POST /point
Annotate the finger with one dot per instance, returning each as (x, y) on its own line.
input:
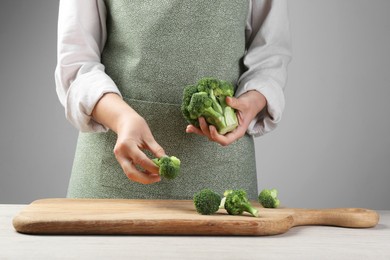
(145, 162)
(135, 175)
(216, 137)
(194, 130)
(226, 139)
(204, 127)
(125, 151)
(155, 148)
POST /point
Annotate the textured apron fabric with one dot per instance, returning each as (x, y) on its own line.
(153, 50)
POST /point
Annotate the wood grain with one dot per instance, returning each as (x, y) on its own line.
(172, 217)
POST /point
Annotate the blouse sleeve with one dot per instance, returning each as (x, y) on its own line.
(268, 54)
(79, 75)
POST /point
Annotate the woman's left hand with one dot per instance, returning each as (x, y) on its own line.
(247, 106)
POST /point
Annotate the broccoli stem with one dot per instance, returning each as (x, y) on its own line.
(231, 120)
(214, 118)
(253, 211)
(216, 105)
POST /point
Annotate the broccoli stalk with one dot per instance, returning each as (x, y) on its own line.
(230, 119)
(201, 105)
(208, 99)
(215, 103)
(236, 203)
(207, 202)
(268, 198)
(169, 166)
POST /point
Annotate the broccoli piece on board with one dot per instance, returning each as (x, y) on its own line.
(237, 202)
(268, 198)
(207, 202)
(169, 166)
(208, 99)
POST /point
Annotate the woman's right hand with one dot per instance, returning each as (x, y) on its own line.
(134, 135)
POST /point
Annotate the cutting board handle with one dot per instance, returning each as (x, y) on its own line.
(340, 217)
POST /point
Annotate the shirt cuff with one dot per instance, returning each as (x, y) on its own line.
(268, 119)
(82, 96)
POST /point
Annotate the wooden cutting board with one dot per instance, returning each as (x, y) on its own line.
(172, 217)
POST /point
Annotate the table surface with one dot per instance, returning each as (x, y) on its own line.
(306, 242)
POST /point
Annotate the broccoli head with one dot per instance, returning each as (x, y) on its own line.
(236, 203)
(169, 166)
(268, 198)
(207, 202)
(208, 99)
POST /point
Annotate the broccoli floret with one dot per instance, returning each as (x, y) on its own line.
(169, 166)
(207, 202)
(267, 198)
(237, 202)
(187, 94)
(208, 99)
(201, 105)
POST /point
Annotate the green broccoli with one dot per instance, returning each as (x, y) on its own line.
(169, 166)
(187, 94)
(207, 202)
(201, 105)
(236, 203)
(208, 99)
(267, 198)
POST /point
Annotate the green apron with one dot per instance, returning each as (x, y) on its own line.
(154, 49)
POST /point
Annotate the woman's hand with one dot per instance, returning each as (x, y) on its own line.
(134, 135)
(247, 106)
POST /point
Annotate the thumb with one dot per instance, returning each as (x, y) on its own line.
(233, 102)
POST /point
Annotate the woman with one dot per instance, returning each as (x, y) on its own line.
(122, 67)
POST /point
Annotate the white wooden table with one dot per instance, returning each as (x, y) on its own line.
(308, 242)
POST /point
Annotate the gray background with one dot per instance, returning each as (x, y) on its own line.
(332, 148)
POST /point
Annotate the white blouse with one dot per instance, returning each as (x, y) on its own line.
(81, 80)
